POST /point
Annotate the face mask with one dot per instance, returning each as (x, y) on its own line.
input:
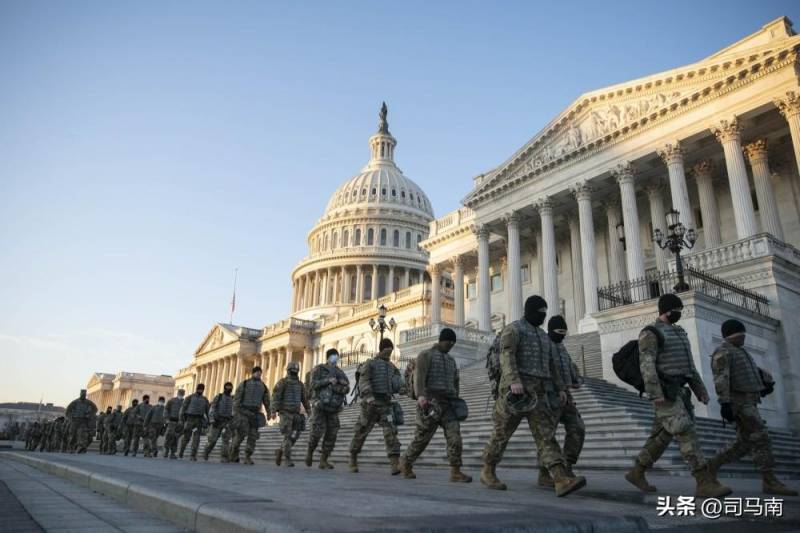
(673, 316)
(332, 360)
(180, 396)
(293, 373)
(536, 318)
(160, 403)
(228, 392)
(556, 337)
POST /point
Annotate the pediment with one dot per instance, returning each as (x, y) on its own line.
(218, 336)
(600, 117)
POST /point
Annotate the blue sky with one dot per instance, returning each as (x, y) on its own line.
(147, 149)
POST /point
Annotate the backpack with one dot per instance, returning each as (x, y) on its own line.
(493, 366)
(626, 361)
(408, 377)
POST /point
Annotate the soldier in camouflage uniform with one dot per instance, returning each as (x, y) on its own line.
(101, 416)
(379, 380)
(221, 418)
(567, 414)
(139, 414)
(288, 396)
(328, 387)
(65, 439)
(528, 364)
(193, 416)
(153, 427)
(174, 429)
(80, 411)
(436, 384)
(47, 431)
(57, 435)
(113, 426)
(740, 384)
(250, 395)
(667, 365)
(128, 422)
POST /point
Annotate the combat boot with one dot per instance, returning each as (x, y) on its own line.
(126, 453)
(205, 455)
(545, 480)
(564, 483)
(457, 476)
(310, 457)
(288, 457)
(394, 465)
(635, 476)
(772, 485)
(489, 478)
(713, 465)
(323, 462)
(278, 456)
(172, 455)
(406, 468)
(353, 463)
(193, 458)
(708, 486)
(247, 460)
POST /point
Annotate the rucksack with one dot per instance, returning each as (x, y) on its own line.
(493, 366)
(626, 361)
(408, 377)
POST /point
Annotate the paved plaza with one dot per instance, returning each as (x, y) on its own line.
(214, 497)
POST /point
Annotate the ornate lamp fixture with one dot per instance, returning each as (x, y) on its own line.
(677, 239)
(381, 325)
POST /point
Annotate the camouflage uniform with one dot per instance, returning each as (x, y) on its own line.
(153, 427)
(288, 396)
(325, 398)
(79, 412)
(568, 415)
(675, 418)
(174, 429)
(445, 387)
(193, 415)
(57, 435)
(101, 429)
(139, 431)
(128, 422)
(35, 436)
(112, 423)
(47, 429)
(376, 407)
(250, 395)
(738, 382)
(542, 419)
(221, 418)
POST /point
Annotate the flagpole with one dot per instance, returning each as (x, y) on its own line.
(233, 300)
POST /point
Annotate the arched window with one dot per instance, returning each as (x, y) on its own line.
(374, 191)
(383, 191)
(319, 243)
(345, 235)
(335, 240)
(325, 247)
(396, 239)
(419, 239)
(368, 287)
(370, 237)
(394, 192)
(383, 236)
(357, 237)
(402, 194)
(408, 240)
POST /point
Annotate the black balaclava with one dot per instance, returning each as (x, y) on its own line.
(731, 327)
(533, 313)
(556, 322)
(670, 303)
(228, 388)
(385, 344)
(108, 409)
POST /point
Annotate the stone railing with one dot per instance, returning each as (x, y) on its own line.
(288, 323)
(451, 220)
(247, 332)
(376, 250)
(732, 253)
(429, 331)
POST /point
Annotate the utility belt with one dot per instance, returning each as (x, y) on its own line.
(672, 386)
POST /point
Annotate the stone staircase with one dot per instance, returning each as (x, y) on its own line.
(617, 424)
(586, 353)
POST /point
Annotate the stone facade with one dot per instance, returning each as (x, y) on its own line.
(122, 388)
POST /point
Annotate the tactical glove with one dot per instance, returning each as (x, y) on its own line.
(726, 411)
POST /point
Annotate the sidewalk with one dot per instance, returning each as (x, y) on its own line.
(214, 497)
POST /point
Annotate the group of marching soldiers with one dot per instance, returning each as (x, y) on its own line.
(533, 378)
(71, 433)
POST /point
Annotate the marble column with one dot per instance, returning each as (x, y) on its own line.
(390, 288)
(672, 155)
(269, 376)
(583, 194)
(436, 293)
(308, 360)
(630, 215)
(616, 253)
(458, 290)
(213, 380)
(767, 206)
(359, 284)
(226, 372)
(374, 288)
(539, 263)
(306, 291)
(484, 291)
(237, 369)
(346, 289)
(658, 220)
(789, 106)
(514, 267)
(407, 278)
(727, 133)
(577, 267)
(702, 173)
(549, 264)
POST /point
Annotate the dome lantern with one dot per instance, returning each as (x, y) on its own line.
(382, 143)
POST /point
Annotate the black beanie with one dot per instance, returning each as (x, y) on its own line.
(668, 302)
(447, 334)
(385, 343)
(255, 369)
(533, 304)
(332, 351)
(556, 322)
(731, 326)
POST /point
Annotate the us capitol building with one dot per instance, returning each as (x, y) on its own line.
(571, 215)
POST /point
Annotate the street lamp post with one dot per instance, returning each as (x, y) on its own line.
(677, 239)
(381, 325)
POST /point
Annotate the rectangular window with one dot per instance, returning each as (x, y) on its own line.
(525, 274)
(472, 290)
(497, 282)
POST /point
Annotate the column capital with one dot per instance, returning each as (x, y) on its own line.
(671, 153)
(581, 191)
(544, 205)
(788, 105)
(434, 269)
(756, 150)
(727, 130)
(511, 217)
(702, 169)
(623, 172)
(656, 187)
(457, 261)
(481, 231)
(613, 206)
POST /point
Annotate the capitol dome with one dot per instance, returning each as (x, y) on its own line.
(366, 244)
